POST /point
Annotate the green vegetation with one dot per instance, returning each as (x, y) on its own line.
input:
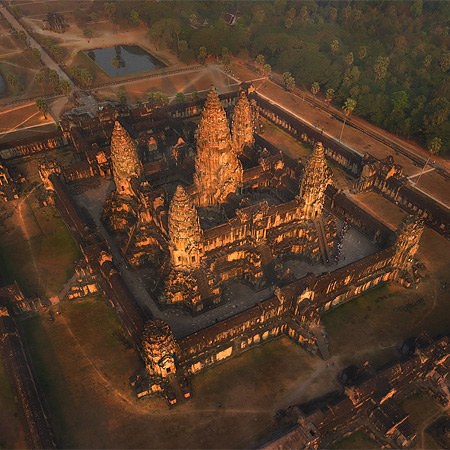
(11, 431)
(355, 441)
(42, 105)
(42, 264)
(57, 52)
(391, 57)
(12, 79)
(68, 356)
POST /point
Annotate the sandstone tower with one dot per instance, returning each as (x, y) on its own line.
(184, 231)
(242, 125)
(316, 178)
(160, 349)
(218, 171)
(126, 165)
(407, 243)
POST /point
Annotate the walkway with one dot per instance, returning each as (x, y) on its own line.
(45, 57)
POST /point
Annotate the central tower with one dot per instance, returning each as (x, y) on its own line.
(218, 171)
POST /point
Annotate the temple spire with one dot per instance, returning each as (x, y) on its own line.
(126, 165)
(242, 124)
(316, 178)
(218, 171)
(184, 231)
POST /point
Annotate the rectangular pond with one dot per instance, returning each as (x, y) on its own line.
(123, 59)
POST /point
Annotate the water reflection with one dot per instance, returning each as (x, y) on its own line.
(123, 59)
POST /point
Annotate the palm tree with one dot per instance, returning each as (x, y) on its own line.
(42, 106)
(348, 108)
(434, 147)
(315, 88)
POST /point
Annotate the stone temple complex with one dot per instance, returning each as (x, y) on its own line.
(268, 212)
(210, 241)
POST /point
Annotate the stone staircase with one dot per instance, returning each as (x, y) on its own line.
(322, 241)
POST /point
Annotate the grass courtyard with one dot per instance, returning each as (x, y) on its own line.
(37, 250)
(12, 433)
(83, 366)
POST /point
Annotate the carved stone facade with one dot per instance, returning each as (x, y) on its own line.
(218, 171)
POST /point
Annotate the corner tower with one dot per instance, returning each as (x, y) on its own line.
(407, 243)
(316, 178)
(242, 125)
(184, 231)
(218, 171)
(126, 165)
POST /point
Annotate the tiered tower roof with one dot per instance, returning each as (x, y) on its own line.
(218, 172)
(242, 125)
(125, 160)
(316, 178)
(407, 243)
(184, 230)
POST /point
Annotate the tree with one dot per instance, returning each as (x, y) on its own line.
(348, 107)
(315, 88)
(260, 60)
(42, 106)
(135, 18)
(266, 70)
(329, 94)
(36, 54)
(332, 14)
(180, 98)
(400, 101)
(362, 52)
(380, 67)
(122, 95)
(157, 98)
(202, 55)
(289, 81)
(335, 45)
(349, 59)
(427, 61)
(65, 86)
(444, 62)
(110, 10)
(434, 147)
(290, 16)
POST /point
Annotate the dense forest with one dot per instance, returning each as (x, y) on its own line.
(391, 57)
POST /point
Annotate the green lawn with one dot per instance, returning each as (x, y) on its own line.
(423, 410)
(373, 325)
(12, 433)
(284, 141)
(43, 264)
(358, 440)
(68, 354)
